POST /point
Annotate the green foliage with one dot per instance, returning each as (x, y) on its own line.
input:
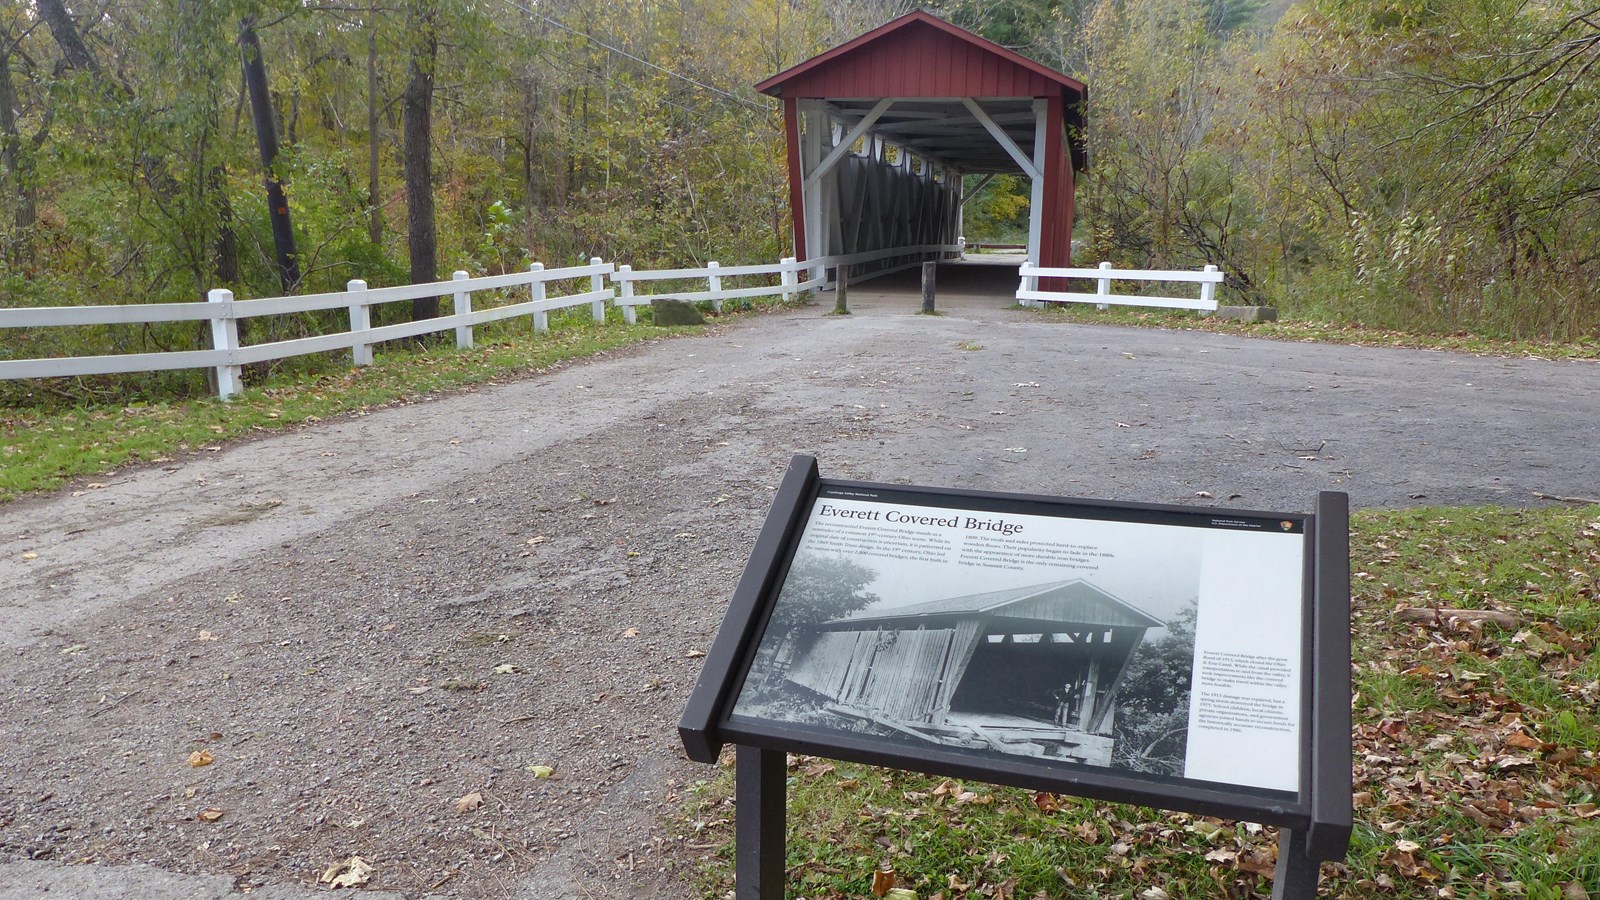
(999, 213)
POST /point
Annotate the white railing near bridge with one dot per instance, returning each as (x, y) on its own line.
(787, 287)
(1028, 293)
(920, 253)
(227, 356)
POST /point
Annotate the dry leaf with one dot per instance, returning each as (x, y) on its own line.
(630, 633)
(900, 894)
(1523, 742)
(536, 541)
(201, 758)
(506, 669)
(353, 872)
(541, 771)
(30, 555)
(469, 802)
(695, 654)
(209, 815)
(882, 882)
(206, 635)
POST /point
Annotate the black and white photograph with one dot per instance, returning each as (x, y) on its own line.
(1030, 636)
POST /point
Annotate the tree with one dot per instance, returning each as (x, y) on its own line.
(421, 235)
(255, 80)
(818, 588)
(1153, 701)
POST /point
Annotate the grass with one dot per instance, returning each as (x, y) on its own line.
(42, 448)
(1321, 332)
(1476, 774)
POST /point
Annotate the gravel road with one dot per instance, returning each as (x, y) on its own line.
(367, 621)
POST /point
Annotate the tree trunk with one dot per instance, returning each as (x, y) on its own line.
(67, 37)
(255, 79)
(417, 125)
(374, 201)
(17, 158)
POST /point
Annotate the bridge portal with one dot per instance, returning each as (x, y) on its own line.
(882, 131)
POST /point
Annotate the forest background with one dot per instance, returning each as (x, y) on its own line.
(1428, 165)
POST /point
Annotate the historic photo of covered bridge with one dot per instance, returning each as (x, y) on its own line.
(1031, 671)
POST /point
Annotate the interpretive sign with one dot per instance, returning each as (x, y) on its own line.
(1182, 658)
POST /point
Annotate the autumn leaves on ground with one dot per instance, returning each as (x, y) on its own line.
(1476, 773)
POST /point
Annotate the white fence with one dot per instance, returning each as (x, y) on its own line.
(228, 356)
(1028, 293)
(787, 288)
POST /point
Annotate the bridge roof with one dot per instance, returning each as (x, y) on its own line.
(928, 65)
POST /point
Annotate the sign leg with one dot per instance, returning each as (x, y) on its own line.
(759, 798)
(1296, 877)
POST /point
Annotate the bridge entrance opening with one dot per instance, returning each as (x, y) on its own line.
(890, 135)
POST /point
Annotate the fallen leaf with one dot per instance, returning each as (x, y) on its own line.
(541, 771)
(506, 669)
(695, 654)
(1154, 893)
(206, 635)
(209, 815)
(536, 541)
(882, 882)
(353, 872)
(900, 894)
(469, 802)
(631, 633)
(1204, 495)
(1523, 742)
(201, 758)
(30, 555)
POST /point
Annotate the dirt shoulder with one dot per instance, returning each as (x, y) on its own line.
(367, 620)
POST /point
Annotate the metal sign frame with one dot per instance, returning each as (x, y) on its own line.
(1314, 820)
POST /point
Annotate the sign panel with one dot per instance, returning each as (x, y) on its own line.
(1179, 658)
(1151, 644)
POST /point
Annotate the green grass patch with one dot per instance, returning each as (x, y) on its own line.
(42, 447)
(1325, 332)
(1475, 747)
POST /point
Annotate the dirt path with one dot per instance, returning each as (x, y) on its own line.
(367, 620)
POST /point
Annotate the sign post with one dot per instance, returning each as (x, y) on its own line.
(1009, 638)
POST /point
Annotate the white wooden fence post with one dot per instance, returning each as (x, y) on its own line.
(360, 323)
(786, 278)
(715, 281)
(541, 318)
(597, 283)
(462, 311)
(627, 294)
(1103, 285)
(1208, 290)
(225, 337)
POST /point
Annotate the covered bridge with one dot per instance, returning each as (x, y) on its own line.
(1031, 670)
(882, 130)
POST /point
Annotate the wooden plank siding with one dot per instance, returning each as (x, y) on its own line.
(900, 68)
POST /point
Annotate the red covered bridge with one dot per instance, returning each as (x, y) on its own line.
(882, 131)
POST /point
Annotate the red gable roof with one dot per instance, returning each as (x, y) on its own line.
(919, 55)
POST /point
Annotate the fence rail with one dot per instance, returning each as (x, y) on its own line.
(228, 356)
(1028, 293)
(787, 287)
(224, 312)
